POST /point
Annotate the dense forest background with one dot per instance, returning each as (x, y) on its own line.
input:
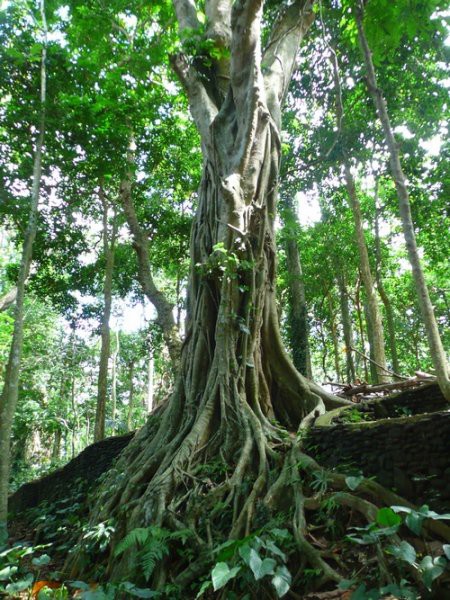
(100, 168)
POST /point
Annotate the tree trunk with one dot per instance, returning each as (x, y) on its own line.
(131, 399)
(114, 381)
(9, 396)
(361, 327)
(164, 308)
(347, 328)
(56, 450)
(381, 290)
(297, 312)
(370, 337)
(436, 348)
(102, 385)
(7, 299)
(334, 337)
(235, 376)
(375, 325)
(150, 383)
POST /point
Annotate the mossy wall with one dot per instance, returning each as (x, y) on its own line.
(409, 455)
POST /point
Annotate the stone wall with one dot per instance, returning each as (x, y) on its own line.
(85, 468)
(410, 455)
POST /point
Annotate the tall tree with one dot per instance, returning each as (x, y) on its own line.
(436, 348)
(235, 374)
(109, 235)
(297, 311)
(8, 398)
(375, 324)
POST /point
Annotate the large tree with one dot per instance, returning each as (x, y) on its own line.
(237, 389)
(217, 458)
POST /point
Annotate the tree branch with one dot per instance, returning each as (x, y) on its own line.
(279, 56)
(203, 109)
(7, 299)
(186, 12)
(218, 14)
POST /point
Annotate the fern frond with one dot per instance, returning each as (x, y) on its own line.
(154, 551)
(135, 537)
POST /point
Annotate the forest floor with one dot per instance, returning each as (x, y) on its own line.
(47, 531)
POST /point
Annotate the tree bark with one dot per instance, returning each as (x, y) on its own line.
(109, 241)
(334, 337)
(114, 381)
(381, 290)
(8, 299)
(235, 376)
(347, 328)
(131, 398)
(435, 344)
(164, 308)
(9, 396)
(149, 397)
(375, 325)
(361, 326)
(297, 312)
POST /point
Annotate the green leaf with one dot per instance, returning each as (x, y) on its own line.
(446, 549)
(41, 561)
(21, 585)
(353, 481)
(431, 569)
(404, 551)
(79, 585)
(281, 581)
(386, 517)
(260, 568)
(131, 589)
(414, 522)
(221, 575)
(8, 572)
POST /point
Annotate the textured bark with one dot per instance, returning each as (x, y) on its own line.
(9, 396)
(8, 299)
(164, 308)
(235, 375)
(334, 337)
(383, 294)
(298, 312)
(375, 325)
(435, 344)
(149, 397)
(115, 355)
(109, 241)
(130, 398)
(361, 326)
(347, 328)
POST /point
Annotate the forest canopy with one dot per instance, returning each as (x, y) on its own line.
(224, 224)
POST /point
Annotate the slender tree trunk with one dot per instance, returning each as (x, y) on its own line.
(381, 290)
(297, 312)
(56, 450)
(102, 385)
(9, 396)
(164, 308)
(370, 337)
(131, 398)
(376, 339)
(435, 344)
(8, 299)
(361, 327)
(150, 383)
(334, 337)
(347, 328)
(73, 401)
(114, 381)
